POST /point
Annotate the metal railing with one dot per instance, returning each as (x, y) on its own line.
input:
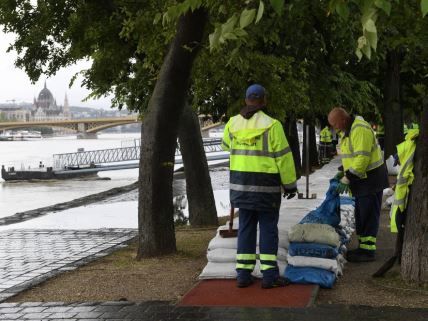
(114, 155)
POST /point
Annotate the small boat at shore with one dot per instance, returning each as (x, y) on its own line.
(45, 173)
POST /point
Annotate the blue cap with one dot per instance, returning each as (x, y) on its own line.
(255, 92)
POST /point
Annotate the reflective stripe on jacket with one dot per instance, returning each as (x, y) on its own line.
(260, 161)
(360, 151)
(326, 136)
(406, 152)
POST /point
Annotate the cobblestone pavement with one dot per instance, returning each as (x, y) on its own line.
(162, 311)
(29, 257)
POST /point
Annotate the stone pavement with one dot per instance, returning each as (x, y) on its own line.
(29, 257)
(163, 311)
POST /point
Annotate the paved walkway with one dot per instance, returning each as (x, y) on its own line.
(29, 257)
(163, 311)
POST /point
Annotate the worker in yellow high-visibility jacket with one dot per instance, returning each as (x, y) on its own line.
(325, 146)
(364, 173)
(261, 163)
(405, 153)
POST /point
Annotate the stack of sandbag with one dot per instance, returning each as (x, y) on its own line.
(221, 256)
(221, 252)
(317, 243)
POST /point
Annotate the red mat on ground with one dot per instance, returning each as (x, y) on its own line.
(225, 293)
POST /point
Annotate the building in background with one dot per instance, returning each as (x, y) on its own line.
(45, 107)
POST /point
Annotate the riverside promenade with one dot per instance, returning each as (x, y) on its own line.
(29, 257)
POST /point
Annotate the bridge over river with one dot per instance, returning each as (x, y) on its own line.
(85, 127)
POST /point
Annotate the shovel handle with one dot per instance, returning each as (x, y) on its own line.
(232, 212)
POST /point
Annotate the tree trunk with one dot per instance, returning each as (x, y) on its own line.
(392, 114)
(202, 210)
(313, 153)
(290, 129)
(414, 262)
(159, 138)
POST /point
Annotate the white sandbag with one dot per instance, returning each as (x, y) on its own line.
(228, 270)
(388, 202)
(219, 242)
(214, 270)
(317, 262)
(317, 233)
(229, 255)
(388, 191)
(389, 165)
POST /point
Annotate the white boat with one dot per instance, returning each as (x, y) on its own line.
(25, 135)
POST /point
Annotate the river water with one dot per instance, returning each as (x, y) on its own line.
(22, 196)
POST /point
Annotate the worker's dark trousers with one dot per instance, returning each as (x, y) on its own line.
(268, 241)
(367, 213)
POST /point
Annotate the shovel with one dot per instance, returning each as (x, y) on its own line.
(231, 232)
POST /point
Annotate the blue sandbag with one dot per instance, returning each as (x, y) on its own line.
(310, 275)
(329, 211)
(347, 200)
(344, 239)
(312, 250)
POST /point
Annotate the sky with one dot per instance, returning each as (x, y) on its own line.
(15, 84)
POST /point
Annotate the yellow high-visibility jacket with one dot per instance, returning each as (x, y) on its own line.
(360, 151)
(406, 152)
(325, 136)
(260, 161)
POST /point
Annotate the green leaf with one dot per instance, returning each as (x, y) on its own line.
(424, 7)
(260, 11)
(157, 18)
(277, 5)
(371, 39)
(240, 32)
(215, 39)
(229, 36)
(362, 41)
(222, 9)
(370, 26)
(247, 17)
(367, 51)
(343, 10)
(229, 25)
(359, 54)
(384, 5)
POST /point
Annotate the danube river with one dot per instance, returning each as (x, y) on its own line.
(22, 196)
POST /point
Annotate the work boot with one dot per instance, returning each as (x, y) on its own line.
(360, 256)
(244, 282)
(278, 282)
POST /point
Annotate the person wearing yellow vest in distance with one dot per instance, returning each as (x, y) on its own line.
(325, 145)
(261, 163)
(405, 155)
(364, 173)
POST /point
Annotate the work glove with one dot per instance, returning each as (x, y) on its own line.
(339, 175)
(343, 186)
(289, 193)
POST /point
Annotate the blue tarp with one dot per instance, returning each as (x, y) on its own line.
(313, 250)
(310, 275)
(329, 211)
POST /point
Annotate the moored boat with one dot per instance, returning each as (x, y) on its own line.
(43, 173)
